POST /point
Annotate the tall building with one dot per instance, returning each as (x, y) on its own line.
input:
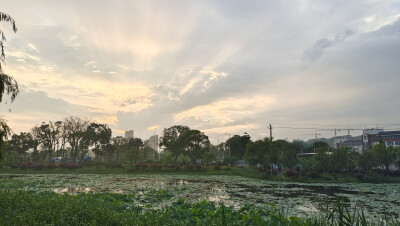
(129, 134)
(153, 142)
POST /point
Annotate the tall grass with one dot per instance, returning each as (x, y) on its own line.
(47, 208)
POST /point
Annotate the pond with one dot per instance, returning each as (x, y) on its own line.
(296, 199)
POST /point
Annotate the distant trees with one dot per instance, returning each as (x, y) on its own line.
(237, 145)
(259, 152)
(169, 140)
(266, 153)
(181, 140)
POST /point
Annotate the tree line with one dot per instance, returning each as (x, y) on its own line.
(74, 138)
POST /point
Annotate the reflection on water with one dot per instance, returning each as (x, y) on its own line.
(72, 190)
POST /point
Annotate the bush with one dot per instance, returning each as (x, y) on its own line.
(39, 166)
(62, 165)
(217, 167)
(395, 173)
(189, 167)
(118, 165)
(51, 166)
(71, 166)
(156, 166)
(23, 166)
(290, 173)
(359, 176)
(199, 167)
(314, 174)
(227, 168)
(177, 167)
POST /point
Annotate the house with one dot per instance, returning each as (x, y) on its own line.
(390, 138)
(370, 137)
(355, 145)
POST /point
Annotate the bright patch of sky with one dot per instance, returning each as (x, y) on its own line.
(217, 66)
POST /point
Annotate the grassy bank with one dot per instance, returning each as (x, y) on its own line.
(48, 208)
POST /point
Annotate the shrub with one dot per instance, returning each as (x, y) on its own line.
(290, 173)
(14, 166)
(51, 166)
(137, 166)
(189, 167)
(325, 176)
(62, 165)
(71, 166)
(143, 166)
(227, 168)
(117, 165)
(177, 167)
(39, 166)
(395, 173)
(314, 174)
(217, 167)
(199, 167)
(23, 166)
(156, 166)
(359, 176)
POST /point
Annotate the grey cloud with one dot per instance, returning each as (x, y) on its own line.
(320, 46)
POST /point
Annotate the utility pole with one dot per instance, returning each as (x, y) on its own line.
(270, 132)
(229, 143)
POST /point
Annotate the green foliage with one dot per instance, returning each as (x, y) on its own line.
(169, 140)
(367, 160)
(384, 155)
(132, 155)
(47, 208)
(258, 152)
(237, 145)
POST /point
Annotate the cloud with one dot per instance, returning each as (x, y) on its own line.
(214, 66)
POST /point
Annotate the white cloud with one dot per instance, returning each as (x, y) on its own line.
(212, 65)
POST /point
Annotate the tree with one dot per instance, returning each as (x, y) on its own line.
(98, 136)
(194, 144)
(340, 159)
(396, 153)
(132, 155)
(289, 159)
(279, 147)
(75, 129)
(237, 145)
(21, 144)
(8, 85)
(5, 132)
(384, 155)
(259, 152)
(119, 145)
(170, 138)
(367, 160)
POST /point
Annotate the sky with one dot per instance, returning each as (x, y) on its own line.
(222, 67)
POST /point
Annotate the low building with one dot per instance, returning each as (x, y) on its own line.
(355, 145)
(390, 138)
(370, 138)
